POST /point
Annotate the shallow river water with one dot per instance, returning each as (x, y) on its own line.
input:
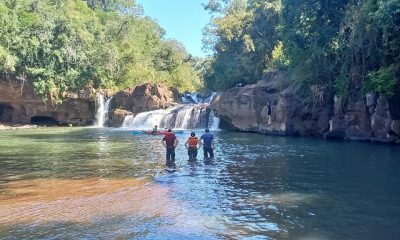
(87, 183)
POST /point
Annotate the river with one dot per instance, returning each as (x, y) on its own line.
(89, 183)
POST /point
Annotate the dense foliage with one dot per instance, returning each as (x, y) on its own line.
(66, 45)
(351, 45)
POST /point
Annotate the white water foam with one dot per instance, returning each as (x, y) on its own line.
(102, 110)
(144, 120)
(182, 116)
(215, 122)
(196, 116)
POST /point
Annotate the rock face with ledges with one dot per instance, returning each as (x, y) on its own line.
(20, 104)
(142, 98)
(145, 97)
(301, 110)
(245, 108)
(295, 110)
(366, 118)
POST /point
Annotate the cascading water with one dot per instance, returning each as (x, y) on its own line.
(194, 98)
(144, 120)
(182, 116)
(214, 121)
(102, 110)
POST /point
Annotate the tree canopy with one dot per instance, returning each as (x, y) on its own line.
(66, 45)
(350, 45)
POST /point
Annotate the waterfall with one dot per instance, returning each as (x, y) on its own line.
(144, 120)
(214, 121)
(194, 114)
(102, 110)
(210, 98)
(189, 98)
(184, 116)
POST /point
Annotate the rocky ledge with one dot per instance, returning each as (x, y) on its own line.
(299, 110)
(142, 98)
(20, 104)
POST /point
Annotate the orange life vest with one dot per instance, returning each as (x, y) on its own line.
(193, 142)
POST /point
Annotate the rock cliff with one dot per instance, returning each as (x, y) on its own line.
(277, 106)
(20, 104)
(372, 118)
(142, 98)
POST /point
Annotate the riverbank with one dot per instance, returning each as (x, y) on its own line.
(15, 126)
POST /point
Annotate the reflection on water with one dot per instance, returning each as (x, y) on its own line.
(110, 184)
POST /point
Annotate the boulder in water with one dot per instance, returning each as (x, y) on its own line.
(117, 117)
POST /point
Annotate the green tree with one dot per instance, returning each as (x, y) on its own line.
(351, 45)
(64, 46)
(242, 36)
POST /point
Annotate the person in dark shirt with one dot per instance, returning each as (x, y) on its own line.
(269, 113)
(208, 144)
(170, 142)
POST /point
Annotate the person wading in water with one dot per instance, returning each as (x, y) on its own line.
(154, 130)
(208, 145)
(192, 144)
(170, 142)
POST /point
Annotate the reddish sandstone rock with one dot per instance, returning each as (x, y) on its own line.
(303, 110)
(243, 108)
(144, 97)
(117, 117)
(295, 110)
(20, 104)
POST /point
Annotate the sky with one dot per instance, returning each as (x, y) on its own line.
(182, 20)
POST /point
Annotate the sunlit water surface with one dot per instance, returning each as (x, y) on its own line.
(86, 183)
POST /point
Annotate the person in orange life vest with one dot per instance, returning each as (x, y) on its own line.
(170, 142)
(192, 144)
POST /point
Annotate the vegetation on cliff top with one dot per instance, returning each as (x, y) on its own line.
(66, 45)
(351, 45)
